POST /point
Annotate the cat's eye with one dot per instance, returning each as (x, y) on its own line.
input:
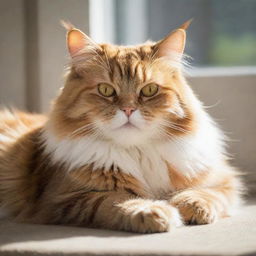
(149, 90)
(106, 90)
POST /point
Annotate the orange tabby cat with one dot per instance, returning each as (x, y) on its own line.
(127, 145)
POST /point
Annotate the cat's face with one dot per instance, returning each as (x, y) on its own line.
(127, 95)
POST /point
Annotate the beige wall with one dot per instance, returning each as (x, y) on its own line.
(12, 51)
(32, 49)
(233, 101)
(52, 46)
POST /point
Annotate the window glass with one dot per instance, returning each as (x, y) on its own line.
(223, 32)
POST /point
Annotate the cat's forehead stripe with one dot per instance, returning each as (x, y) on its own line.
(127, 65)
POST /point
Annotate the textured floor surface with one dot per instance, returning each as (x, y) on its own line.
(230, 236)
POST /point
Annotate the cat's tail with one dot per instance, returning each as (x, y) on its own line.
(15, 130)
(14, 124)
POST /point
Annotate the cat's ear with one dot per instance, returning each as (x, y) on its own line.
(174, 43)
(77, 40)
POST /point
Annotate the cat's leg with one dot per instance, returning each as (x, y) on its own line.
(119, 211)
(203, 205)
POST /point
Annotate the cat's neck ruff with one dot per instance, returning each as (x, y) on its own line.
(188, 154)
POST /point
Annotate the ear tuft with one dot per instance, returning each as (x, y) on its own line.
(76, 39)
(186, 24)
(173, 45)
(67, 25)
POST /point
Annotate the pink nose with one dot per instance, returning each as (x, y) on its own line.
(128, 111)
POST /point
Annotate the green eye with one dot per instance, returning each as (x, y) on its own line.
(149, 90)
(106, 90)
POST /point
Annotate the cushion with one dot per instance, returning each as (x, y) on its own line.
(230, 236)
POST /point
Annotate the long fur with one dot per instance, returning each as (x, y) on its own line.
(89, 164)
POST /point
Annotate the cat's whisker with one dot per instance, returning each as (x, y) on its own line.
(172, 138)
(102, 60)
(152, 56)
(177, 140)
(175, 127)
(95, 62)
(178, 125)
(80, 130)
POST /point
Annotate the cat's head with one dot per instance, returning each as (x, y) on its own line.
(127, 95)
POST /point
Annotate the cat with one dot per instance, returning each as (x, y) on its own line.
(126, 146)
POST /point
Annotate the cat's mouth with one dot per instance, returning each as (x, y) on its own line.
(129, 125)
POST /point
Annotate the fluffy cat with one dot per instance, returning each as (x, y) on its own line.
(126, 146)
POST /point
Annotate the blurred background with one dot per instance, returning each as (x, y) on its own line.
(221, 41)
(222, 33)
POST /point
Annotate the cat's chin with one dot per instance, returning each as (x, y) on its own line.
(128, 135)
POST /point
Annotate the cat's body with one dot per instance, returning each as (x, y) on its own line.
(87, 165)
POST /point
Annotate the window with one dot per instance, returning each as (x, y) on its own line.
(223, 33)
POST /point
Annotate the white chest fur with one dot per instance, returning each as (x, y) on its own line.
(148, 163)
(142, 163)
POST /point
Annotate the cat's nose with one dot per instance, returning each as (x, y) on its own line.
(128, 111)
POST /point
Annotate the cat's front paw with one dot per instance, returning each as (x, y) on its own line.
(145, 216)
(195, 208)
